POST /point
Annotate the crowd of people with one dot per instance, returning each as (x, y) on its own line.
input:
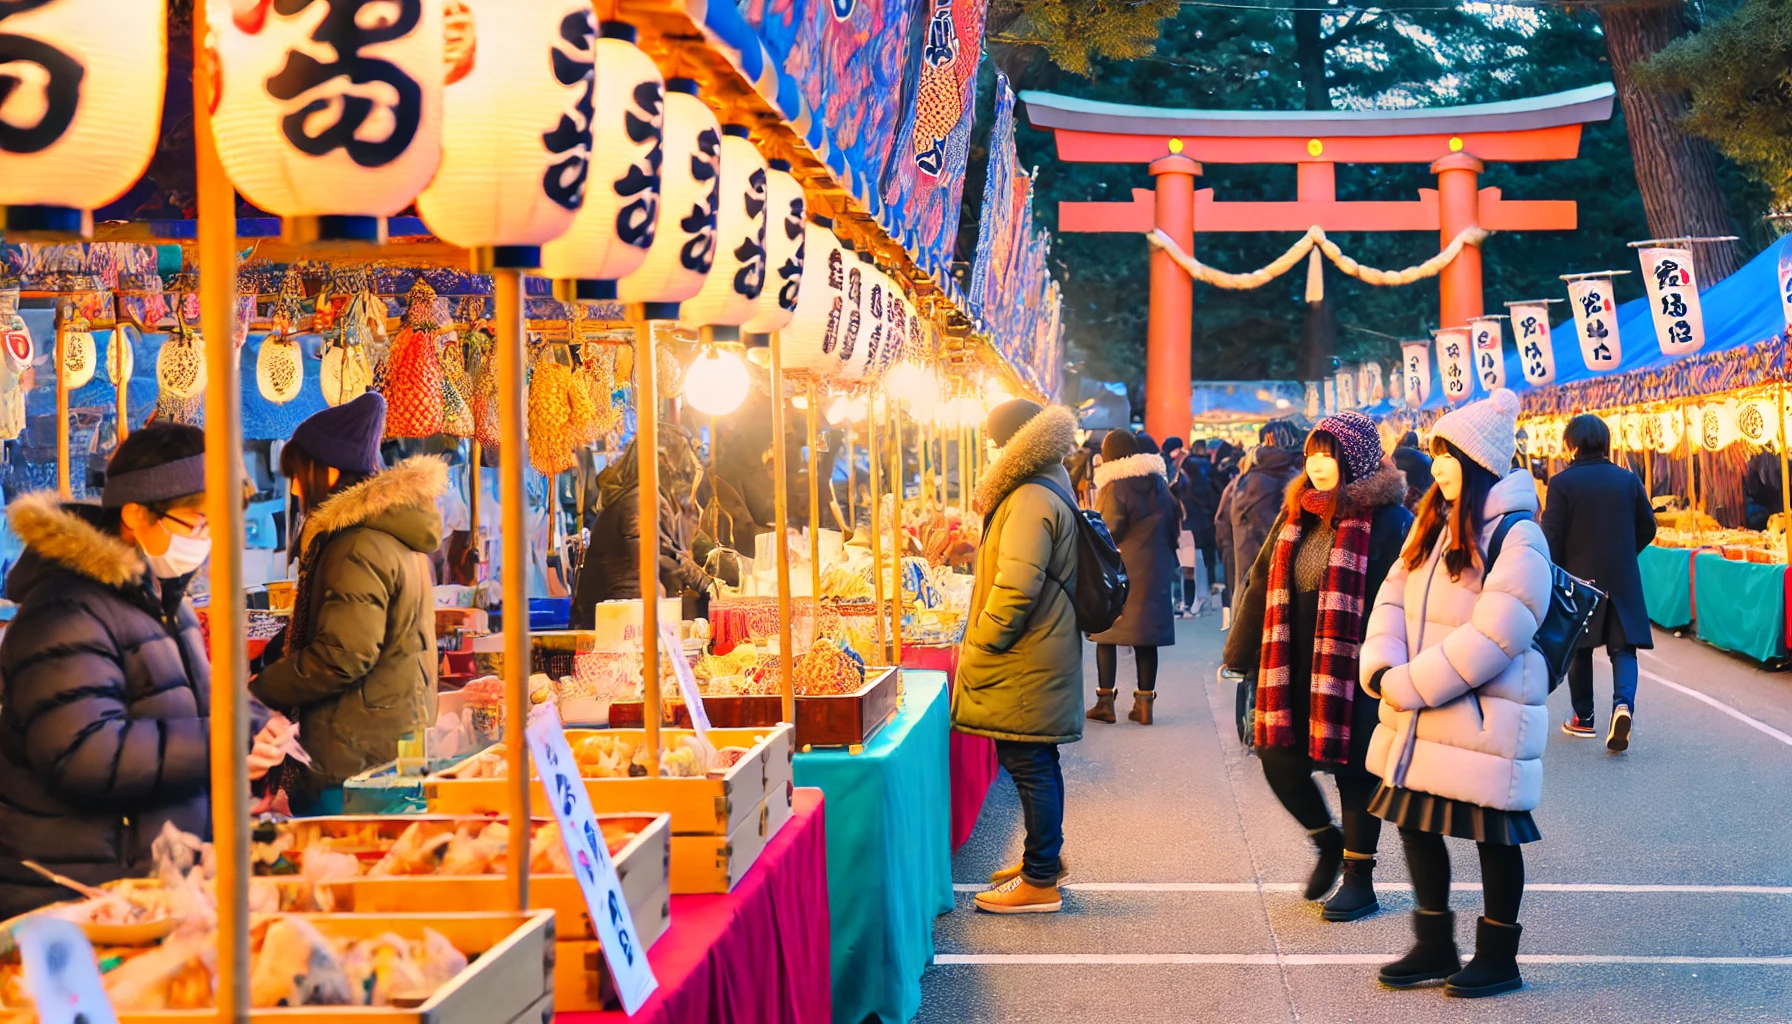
(1382, 611)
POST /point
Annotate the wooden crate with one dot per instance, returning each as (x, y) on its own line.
(823, 720)
(711, 864)
(698, 806)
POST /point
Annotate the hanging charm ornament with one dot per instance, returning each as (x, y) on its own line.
(1455, 364)
(785, 220)
(1530, 332)
(15, 337)
(1596, 322)
(279, 368)
(684, 242)
(1673, 300)
(80, 357)
(120, 348)
(1415, 372)
(1755, 422)
(180, 366)
(413, 379)
(1490, 352)
(738, 276)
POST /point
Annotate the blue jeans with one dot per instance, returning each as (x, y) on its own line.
(1040, 782)
(1580, 679)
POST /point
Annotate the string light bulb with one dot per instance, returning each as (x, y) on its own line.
(716, 384)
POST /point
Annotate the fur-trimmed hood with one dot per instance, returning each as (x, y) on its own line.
(1041, 442)
(66, 536)
(1385, 486)
(400, 501)
(1132, 465)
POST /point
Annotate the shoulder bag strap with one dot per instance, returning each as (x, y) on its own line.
(1499, 536)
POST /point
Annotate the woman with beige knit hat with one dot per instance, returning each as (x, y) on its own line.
(1463, 725)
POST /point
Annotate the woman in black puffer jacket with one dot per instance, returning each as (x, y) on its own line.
(104, 728)
(1134, 500)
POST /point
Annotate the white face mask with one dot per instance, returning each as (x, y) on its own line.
(184, 555)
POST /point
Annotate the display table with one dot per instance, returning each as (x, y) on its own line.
(889, 854)
(759, 953)
(1667, 585)
(973, 758)
(1740, 606)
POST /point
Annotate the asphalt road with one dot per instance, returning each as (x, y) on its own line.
(1660, 892)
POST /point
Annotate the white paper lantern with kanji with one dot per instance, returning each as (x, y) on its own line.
(863, 337)
(121, 357)
(1670, 427)
(333, 110)
(684, 240)
(738, 276)
(1755, 422)
(80, 356)
(81, 85)
(812, 340)
(1485, 338)
(1455, 364)
(180, 365)
(1415, 373)
(897, 314)
(1536, 352)
(1596, 323)
(784, 222)
(279, 368)
(1716, 424)
(516, 126)
(613, 230)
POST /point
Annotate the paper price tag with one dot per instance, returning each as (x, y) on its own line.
(592, 865)
(687, 681)
(60, 974)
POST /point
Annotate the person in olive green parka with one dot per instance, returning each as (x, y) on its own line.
(1020, 667)
(358, 665)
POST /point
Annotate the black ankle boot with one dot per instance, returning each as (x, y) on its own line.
(1330, 844)
(1355, 899)
(1432, 958)
(1495, 966)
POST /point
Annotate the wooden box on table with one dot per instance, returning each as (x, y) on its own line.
(822, 720)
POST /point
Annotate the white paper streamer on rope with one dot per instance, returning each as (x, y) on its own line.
(1455, 364)
(1673, 300)
(1595, 322)
(1415, 372)
(1490, 353)
(1530, 332)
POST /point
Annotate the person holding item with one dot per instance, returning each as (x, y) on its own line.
(1299, 629)
(105, 734)
(1020, 669)
(357, 665)
(1598, 520)
(612, 567)
(1459, 749)
(1135, 503)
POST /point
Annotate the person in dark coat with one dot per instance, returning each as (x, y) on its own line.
(105, 734)
(1340, 531)
(1597, 520)
(1257, 496)
(1409, 460)
(611, 571)
(1200, 501)
(1134, 501)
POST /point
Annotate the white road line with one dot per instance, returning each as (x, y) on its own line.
(1319, 960)
(1253, 887)
(1752, 723)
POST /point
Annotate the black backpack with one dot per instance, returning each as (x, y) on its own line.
(1101, 584)
(1571, 604)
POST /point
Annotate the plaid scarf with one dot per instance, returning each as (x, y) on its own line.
(1335, 642)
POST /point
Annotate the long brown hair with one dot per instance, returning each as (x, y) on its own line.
(1464, 515)
(312, 477)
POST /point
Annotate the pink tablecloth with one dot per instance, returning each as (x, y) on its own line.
(759, 953)
(972, 758)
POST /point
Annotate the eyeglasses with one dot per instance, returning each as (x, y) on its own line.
(197, 528)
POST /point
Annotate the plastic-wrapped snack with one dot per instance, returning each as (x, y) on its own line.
(295, 966)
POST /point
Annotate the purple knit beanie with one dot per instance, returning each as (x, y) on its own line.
(347, 436)
(1357, 439)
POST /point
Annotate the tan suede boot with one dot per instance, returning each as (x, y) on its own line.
(1142, 701)
(1103, 711)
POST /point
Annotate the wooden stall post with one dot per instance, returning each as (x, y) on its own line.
(852, 510)
(508, 328)
(809, 415)
(781, 524)
(475, 455)
(229, 708)
(62, 457)
(898, 485)
(877, 528)
(647, 466)
(1785, 481)
(123, 389)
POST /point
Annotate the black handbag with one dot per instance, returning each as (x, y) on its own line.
(1572, 602)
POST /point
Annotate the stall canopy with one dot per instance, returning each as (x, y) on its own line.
(1243, 401)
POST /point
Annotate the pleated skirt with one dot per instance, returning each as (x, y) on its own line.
(1406, 808)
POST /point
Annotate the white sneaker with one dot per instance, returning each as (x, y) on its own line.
(1617, 739)
(1225, 619)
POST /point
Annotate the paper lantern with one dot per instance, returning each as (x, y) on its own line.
(121, 357)
(180, 366)
(1530, 332)
(897, 313)
(1755, 422)
(1632, 424)
(1673, 300)
(684, 235)
(716, 382)
(80, 356)
(1490, 353)
(1614, 429)
(909, 383)
(1671, 426)
(331, 111)
(1415, 372)
(279, 368)
(82, 85)
(865, 333)
(811, 342)
(612, 231)
(516, 128)
(345, 373)
(15, 338)
(1716, 427)
(1596, 323)
(738, 277)
(784, 233)
(1455, 364)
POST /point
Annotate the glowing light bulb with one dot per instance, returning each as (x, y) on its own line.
(716, 383)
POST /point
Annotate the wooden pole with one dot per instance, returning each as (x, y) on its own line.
(898, 485)
(475, 476)
(62, 456)
(877, 527)
(852, 511)
(509, 341)
(647, 464)
(229, 710)
(781, 524)
(123, 387)
(814, 497)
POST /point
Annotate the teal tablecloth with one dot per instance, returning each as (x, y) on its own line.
(889, 854)
(1741, 606)
(1667, 585)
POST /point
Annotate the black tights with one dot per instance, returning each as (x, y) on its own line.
(1502, 874)
(1290, 774)
(1107, 666)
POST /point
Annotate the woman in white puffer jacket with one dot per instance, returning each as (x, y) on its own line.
(1463, 724)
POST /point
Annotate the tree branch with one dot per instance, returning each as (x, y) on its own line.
(1351, 30)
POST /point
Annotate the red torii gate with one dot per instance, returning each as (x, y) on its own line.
(1457, 143)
